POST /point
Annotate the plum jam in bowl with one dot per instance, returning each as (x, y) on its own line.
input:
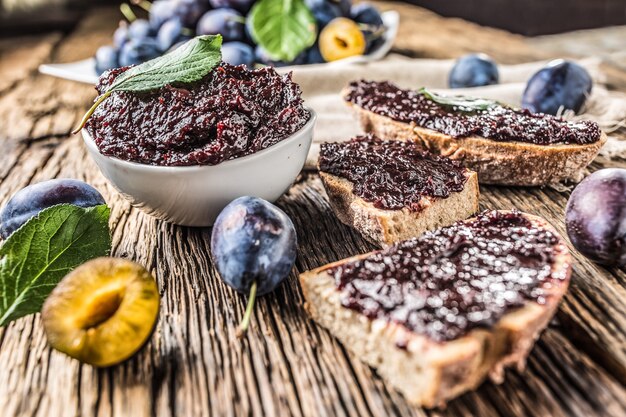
(182, 151)
(195, 195)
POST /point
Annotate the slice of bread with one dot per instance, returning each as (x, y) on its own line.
(429, 372)
(504, 163)
(384, 227)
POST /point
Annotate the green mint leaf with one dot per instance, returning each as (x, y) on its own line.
(284, 28)
(188, 63)
(459, 103)
(40, 253)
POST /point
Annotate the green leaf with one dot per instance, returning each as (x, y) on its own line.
(284, 28)
(40, 253)
(459, 103)
(188, 63)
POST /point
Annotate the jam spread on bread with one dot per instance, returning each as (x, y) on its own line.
(232, 112)
(450, 281)
(392, 174)
(499, 123)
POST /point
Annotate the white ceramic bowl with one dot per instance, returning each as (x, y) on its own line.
(195, 195)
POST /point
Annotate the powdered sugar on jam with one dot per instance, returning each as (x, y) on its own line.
(450, 281)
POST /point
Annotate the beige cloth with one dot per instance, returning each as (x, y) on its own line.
(322, 85)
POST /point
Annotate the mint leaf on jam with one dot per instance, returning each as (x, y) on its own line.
(459, 103)
(186, 64)
(284, 28)
(40, 253)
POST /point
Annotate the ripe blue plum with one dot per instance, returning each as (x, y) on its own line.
(227, 22)
(262, 57)
(106, 58)
(371, 23)
(366, 14)
(324, 11)
(242, 6)
(595, 216)
(140, 29)
(190, 11)
(344, 6)
(120, 36)
(561, 84)
(253, 241)
(31, 200)
(136, 51)
(314, 56)
(161, 11)
(170, 33)
(238, 53)
(474, 70)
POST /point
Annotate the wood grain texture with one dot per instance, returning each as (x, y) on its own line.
(287, 365)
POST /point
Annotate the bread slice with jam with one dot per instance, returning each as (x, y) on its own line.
(503, 145)
(438, 314)
(391, 191)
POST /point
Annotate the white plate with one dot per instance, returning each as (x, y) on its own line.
(84, 71)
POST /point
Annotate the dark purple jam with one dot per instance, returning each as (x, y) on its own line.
(497, 122)
(391, 174)
(232, 112)
(450, 281)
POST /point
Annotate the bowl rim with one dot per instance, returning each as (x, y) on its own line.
(88, 140)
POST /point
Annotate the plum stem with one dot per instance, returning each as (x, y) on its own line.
(143, 4)
(90, 112)
(245, 322)
(128, 12)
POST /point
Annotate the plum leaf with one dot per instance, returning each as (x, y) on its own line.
(459, 103)
(186, 64)
(40, 253)
(284, 28)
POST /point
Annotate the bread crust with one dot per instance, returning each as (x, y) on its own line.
(385, 227)
(426, 372)
(502, 163)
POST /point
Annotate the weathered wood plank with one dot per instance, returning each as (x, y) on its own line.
(34, 106)
(287, 365)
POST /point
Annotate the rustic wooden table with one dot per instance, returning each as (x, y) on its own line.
(287, 365)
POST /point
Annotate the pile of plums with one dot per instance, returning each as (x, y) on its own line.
(342, 30)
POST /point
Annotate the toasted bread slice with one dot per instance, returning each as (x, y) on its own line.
(429, 372)
(384, 227)
(504, 163)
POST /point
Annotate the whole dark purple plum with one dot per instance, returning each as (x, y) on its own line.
(473, 70)
(344, 6)
(106, 58)
(171, 33)
(241, 5)
(238, 53)
(31, 200)
(596, 216)
(227, 22)
(190, 11)
(371, 23)
(561, 84)
(161, 11)
(120, 36)
(324, 11)
(253, 241)
(137, 51)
